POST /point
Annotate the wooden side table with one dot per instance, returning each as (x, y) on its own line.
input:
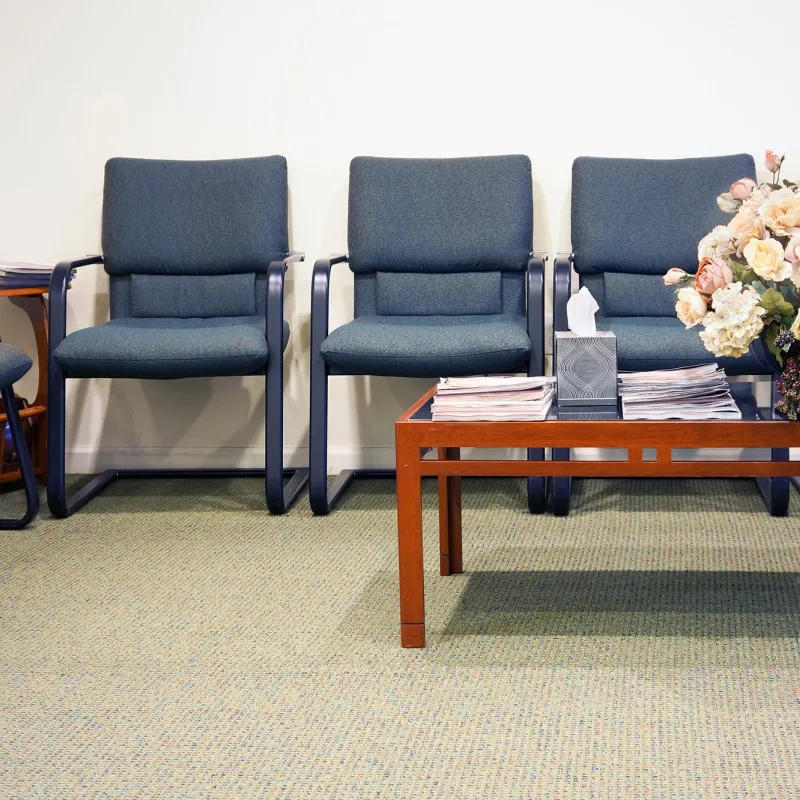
(31, 301)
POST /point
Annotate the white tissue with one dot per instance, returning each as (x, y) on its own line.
(581, 308)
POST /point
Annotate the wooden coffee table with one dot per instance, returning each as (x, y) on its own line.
(416, 433)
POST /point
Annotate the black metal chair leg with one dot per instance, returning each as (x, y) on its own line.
(537, 487)
(25, 464)
(776, 491)
(56, 448)
(560, 486)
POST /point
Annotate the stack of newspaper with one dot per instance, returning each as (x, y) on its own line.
(700, 392)
(502, 398)
(24, 275)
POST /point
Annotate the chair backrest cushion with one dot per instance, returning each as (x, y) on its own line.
(440, 215)
(413, 294)
(194, 217)
(629, 295)
(195, 296)
(646, 216)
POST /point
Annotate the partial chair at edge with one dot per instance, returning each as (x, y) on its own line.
(13, 365)
(445, 285)
(632, 220)
(196, 253)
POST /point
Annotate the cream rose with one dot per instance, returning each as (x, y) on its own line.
(674, 276)
(744, 227)
(691, 308)
(795, 328)
(767, 259)
(781, 212)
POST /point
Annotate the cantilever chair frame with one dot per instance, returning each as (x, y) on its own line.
(25, 464)
(278, 497)
(322, 498)
(775, 491)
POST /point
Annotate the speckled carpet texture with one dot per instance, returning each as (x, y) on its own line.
(173, 640)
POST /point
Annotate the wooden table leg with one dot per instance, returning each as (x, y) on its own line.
(409, 540)
(450, 561)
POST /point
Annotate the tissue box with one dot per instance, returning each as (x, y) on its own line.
(586, 369)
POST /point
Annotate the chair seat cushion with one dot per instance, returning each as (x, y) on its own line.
(428, 347)
(167, 348)
(645, 343)
(13, 364)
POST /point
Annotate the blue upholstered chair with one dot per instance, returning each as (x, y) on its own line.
(195, 253)
(445, 285)
(632, 220)
(13, 365)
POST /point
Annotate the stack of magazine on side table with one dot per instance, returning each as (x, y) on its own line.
(499, 399)
(689, 393)
(24, 275)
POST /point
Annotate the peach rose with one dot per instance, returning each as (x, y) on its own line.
(742, 189)
(781, 212)
(767, 259)
(772, 161)
(691, 307)
(712, 274)
(746, 225)
(674, 276)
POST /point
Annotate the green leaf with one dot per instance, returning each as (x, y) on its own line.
(775, 305)
(769, 334)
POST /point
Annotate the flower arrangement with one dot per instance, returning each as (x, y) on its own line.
(747, 283)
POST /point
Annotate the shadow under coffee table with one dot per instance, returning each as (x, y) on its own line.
(416, 432)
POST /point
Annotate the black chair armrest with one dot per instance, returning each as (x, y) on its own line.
(562, 289)
(275, 281)
(535, 290)
(320, 295)
(58, 296)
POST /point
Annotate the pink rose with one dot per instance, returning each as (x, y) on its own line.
(742, 189)
(772, 161)
(674, 276)
(712, 274)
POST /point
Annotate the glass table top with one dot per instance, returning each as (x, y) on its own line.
(742, 393)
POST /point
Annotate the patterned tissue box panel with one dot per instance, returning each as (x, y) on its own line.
(586, 369)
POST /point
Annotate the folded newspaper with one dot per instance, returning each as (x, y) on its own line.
(25, 275)
(688, 393)
(499, 398)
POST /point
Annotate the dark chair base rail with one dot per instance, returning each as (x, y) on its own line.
(69, 505)
(537, 495)
(25, 464)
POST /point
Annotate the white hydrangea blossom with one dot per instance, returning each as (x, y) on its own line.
(717, 244)
(736, 320)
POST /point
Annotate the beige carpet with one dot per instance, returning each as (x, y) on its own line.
(173, 640)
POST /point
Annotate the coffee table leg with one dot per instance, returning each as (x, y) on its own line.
(450, 561)
(409, 542)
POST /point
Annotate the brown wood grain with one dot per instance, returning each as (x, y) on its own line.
(450, 560)
(409, 539)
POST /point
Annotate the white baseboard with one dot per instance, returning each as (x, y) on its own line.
(89, 460)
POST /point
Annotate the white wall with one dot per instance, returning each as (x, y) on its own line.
(321, 82)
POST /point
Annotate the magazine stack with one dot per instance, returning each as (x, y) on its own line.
(500, 398)
(700, 392)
